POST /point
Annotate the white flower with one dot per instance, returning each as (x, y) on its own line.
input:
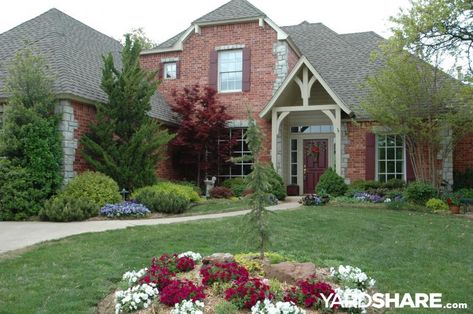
(195, 256)
(135, 298)
(267, 307)
(188, 307)
(388, 200)
(352, 277)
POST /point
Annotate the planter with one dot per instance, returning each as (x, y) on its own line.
(293, 190)
(454, 209)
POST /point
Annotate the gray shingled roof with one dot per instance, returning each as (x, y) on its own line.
(343, 61)
(74, 53)
(232, 10)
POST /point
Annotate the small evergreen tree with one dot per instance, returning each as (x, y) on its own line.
(30, 142)
(258, 182)
(124, 142)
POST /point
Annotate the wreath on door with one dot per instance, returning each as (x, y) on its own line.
(314, 150)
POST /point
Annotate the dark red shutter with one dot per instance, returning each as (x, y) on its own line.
(213, 68)
(161, 70)
(410, 176)
(370, 157)
(178, 69)
(246, 69)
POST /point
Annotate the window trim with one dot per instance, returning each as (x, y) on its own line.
(218, 71)
(404, 165)
(224, 175)
(165, 71)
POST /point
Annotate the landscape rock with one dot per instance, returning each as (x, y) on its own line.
(218, 258)
(289, 272)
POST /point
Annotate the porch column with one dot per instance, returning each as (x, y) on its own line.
(338, 141)
(274, 137)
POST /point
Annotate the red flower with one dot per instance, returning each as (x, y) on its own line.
(308, 293)
(178, 290)
(245, 292)
(222, 272)
(315, 149)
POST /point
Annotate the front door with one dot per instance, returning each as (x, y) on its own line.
(315, 163)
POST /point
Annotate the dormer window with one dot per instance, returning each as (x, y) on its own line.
(230, 70)
(170, 71)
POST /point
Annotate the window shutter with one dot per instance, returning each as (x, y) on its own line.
(161, 70)
(370, 157)
(410, 176)
(213, 69)
(246, 69)
(178, 69)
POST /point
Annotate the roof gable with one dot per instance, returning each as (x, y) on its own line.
(232, 10)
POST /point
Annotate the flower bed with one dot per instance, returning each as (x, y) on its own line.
(124, 209)
(179, 284)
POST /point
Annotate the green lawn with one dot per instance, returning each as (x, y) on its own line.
(212, 206)
(403, 251)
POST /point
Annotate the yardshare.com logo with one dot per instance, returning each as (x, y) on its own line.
(363, 300)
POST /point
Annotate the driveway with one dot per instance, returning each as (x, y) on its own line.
(20, 234)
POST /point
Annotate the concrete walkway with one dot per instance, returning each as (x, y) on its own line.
(17, 235)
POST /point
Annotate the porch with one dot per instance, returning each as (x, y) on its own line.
(306, 119)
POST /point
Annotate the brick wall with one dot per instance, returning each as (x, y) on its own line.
(356, 149)
(463, 154)
(84, 114)
(194, 68)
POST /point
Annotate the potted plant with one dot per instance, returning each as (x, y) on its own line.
(453, 202)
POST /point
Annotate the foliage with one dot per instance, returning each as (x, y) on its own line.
(245, 292)
(196, 188)
(352, 277)
(135, 298)
(465, 193)
(267, 307)
(222, 272)
(419, 192)
(259, 182)
(251, 262)
(277, 183)
(183, 189)
(203, 121)
(188, 307)
(96, 187)
(124, 209)
(330, 182)
(436, 204)
(276, 289)
(454, 199)
(139, 35)
(314, 200)
(463, 179)
(221, 192)
(30, 139)
(226, 308)
(124, 142)
(430, 27)
(402, 204)
(162, 199)
(237, 185)
(16, 189)
(179, 290)
(65, 207)
(419, 102)
(308, 293)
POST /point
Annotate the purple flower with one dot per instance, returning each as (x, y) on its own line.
(127, 208)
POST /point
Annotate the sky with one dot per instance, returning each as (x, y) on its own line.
(163, 19)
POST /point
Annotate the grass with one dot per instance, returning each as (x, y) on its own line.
(212, 206)
(403, 251)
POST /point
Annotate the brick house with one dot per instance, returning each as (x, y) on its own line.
(301, 81)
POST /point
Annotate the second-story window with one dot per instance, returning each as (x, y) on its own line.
(230, 70)
(170, 71)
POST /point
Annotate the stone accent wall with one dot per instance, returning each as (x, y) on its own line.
(281, 68)
(67, 127)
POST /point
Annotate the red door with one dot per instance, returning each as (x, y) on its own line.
(315, 163)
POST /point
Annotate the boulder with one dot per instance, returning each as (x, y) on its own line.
(289, 272)
(218, 258)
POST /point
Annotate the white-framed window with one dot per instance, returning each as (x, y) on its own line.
(230, 70)
(294, 161)
(232, 170)
(170, 71)
(390, 157)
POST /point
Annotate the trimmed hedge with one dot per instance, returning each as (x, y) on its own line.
(166, 197)
(277, 184)
(331, 183)
(420, 192)
(68, 208)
